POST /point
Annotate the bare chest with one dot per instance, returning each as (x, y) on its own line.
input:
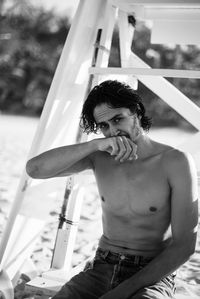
(129, 189)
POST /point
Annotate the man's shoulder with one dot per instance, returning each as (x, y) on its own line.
(174, 155)
(167, 152)
(170, 156)
(176, 160)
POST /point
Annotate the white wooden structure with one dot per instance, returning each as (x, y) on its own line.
(75, 74)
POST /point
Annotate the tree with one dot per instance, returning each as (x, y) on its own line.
(32, 44)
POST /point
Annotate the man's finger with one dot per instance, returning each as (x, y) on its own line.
(128, 151)
(134, 150)
(121, 148)
(114, 146)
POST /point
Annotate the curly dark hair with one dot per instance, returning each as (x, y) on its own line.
(116, 95)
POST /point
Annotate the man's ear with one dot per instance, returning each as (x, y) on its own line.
(139, 117)
(136, 116)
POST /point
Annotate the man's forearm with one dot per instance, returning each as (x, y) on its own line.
(164, 264)
(53, 162)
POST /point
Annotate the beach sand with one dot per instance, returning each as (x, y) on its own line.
(16, 135)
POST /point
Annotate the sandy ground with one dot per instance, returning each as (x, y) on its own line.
(16, 134)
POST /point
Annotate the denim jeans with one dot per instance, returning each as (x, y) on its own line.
(108, 270)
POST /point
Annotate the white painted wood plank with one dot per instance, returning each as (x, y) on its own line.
(126, 32)
(6, 286)
(107, 25)
(142, 9)
(106, 18)
(166, 13)
(43, 287)
(21, 243)
(62, 275)
(158, 3)
(66, 237)
(172, 73)
(107, 28)
(184, 14)
(125, 40)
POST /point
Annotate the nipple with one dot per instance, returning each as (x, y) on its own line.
(153, 209)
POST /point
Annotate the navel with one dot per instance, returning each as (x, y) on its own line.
(153, 209)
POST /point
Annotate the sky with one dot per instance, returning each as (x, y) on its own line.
(60, 6)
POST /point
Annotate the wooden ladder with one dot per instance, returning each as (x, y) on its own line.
(83, 64)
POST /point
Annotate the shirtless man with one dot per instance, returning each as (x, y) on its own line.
(148, 192)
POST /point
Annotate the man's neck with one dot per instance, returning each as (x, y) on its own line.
(145, 146)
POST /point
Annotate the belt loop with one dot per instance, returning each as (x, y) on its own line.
(137, 259)
(105, 253)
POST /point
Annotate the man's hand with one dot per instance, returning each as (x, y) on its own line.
(120, 146)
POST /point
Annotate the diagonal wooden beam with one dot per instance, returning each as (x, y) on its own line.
(169, 93)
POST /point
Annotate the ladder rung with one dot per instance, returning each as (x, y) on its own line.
(172, 73)
(157, 3)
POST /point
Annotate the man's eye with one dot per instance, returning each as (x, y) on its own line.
(103, 126)
(116, 120)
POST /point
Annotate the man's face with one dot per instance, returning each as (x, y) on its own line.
(117, 122)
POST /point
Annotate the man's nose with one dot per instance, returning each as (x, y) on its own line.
(114, 131)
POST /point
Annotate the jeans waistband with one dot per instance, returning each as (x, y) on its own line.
(115, 258)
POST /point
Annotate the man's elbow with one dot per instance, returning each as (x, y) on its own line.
(32, 169)
(191, 249)
(185, 248)
(188, 249)
(187, 255)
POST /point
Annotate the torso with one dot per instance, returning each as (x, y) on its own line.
(135, 200)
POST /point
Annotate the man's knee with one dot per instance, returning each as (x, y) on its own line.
(66, 292)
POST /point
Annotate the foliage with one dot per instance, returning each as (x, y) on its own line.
(31, 44)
